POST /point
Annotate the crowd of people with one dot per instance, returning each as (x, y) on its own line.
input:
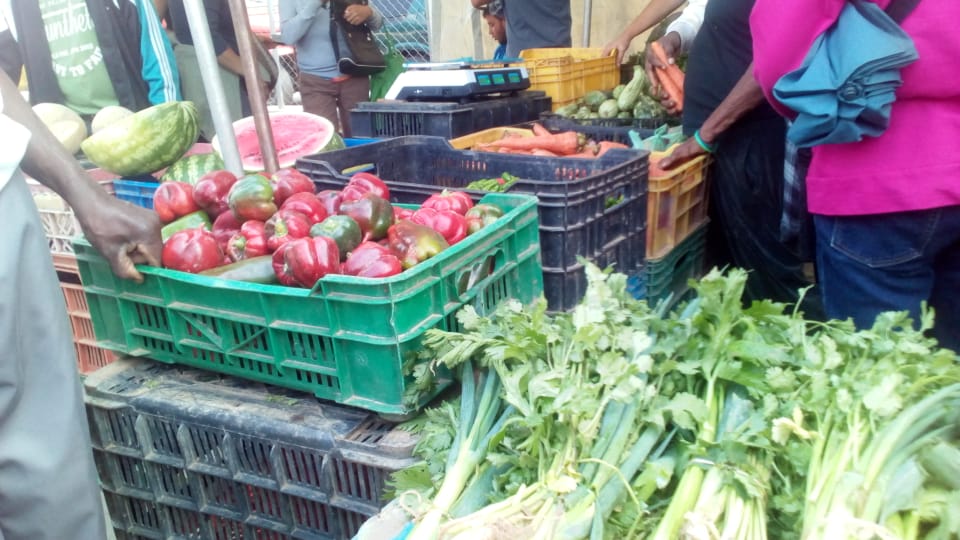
(886, 210)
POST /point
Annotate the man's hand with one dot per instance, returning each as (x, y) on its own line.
(687, 150)
(123, 233)
(357, 14)
(621, 44)
(671, 46)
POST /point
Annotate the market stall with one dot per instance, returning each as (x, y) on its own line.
(488, 315)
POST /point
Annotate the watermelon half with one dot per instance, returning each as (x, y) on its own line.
(295, 135)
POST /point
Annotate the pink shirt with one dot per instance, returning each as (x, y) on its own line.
(915, 164)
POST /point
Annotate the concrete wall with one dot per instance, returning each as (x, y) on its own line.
(458, 30)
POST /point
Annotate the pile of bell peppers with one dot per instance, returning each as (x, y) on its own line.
(275, 228)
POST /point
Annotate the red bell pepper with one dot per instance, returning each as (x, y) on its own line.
(306, 260)
(210, 191)
(307, 204)
(284, 226)
(401, 213)
(458, 201)
(450, 224)
(198, 219)
(373, 213)
(279, 267)
(249, 242)
(331, 200)
(372, 260)
(252, 198)
(415, 243)
(172, 200)
(224, 227)
(364, 182)
(482, 215)
(191, 250)
(286, 182)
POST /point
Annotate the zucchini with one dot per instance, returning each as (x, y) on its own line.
(255, 270)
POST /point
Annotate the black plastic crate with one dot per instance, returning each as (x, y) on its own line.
(604, 129)
(383, 119)
(183, 453)
(585, 205)
(567, 286)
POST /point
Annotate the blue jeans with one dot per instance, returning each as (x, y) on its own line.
(892, 262)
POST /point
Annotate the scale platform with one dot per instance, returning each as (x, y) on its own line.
(457, 80)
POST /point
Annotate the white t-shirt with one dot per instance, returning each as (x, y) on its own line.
(13, 145)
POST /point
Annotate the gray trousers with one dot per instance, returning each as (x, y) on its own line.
(48, 481)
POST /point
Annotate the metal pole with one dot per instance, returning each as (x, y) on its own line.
(213, 85)
(587, 14)
(251, 75)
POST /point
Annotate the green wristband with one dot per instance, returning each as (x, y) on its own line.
(703, 144)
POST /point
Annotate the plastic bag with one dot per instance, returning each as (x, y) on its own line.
(663, 137)
(380, 82)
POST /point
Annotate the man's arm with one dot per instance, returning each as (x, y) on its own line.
(743, 98)
(296, 16)
(125, 234)
(652, 14)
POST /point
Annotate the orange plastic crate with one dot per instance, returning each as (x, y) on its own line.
(74, 295)
(676, 204)
(90, 357)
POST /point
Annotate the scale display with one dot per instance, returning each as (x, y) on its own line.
(456, 80)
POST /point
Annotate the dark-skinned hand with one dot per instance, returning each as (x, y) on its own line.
(686, 151)
(652, 65)
(124, 233)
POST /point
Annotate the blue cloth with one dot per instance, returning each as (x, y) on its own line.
(845, 87)
(892, 262)
(501, 52)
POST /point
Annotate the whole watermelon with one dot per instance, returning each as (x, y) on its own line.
(148, 141)
(190, 168)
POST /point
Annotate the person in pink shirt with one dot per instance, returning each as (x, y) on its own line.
(886, 209)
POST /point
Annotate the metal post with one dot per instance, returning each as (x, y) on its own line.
(213, 85)
(251, 75)
(587, 14)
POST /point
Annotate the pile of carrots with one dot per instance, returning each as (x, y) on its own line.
(671, 77)
(545, 143)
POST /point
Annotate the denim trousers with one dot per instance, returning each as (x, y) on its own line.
(892, 262)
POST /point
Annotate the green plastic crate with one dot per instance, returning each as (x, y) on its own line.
(353, 341)
(672, 273)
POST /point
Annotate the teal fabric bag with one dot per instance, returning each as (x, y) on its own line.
(846, 86)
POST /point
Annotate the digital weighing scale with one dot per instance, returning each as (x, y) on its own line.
(457, 80)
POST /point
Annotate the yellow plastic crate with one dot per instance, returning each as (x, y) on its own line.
(467, 142)
(676, 204)
(567, 74)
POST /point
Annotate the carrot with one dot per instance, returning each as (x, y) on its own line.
(671, 77)
(607, 145)
(542, 152)
(538, 129)
(567, 142)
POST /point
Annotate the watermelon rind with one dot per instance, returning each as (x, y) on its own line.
(190, 168)
(146, 142)
(290, 146)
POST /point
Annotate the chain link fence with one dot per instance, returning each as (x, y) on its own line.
(406, 26)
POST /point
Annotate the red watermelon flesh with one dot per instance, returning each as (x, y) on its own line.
(295, 135)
